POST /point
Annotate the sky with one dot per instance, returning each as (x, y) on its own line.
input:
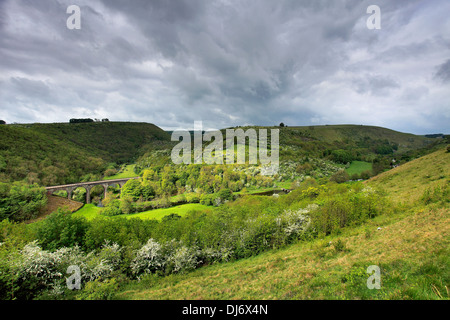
(228, 63)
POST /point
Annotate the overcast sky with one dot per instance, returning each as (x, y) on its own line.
(228, 63)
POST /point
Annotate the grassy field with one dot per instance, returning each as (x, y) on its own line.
(358, 167)
(158, 214)
(90, 211)
(126, 172)
(411, 247)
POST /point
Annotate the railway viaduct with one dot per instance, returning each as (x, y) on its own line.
(69, 188)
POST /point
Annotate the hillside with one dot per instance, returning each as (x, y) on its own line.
(118, 142)
(339, 133)
(59, 153)
(408, 182)
(410, 245)
(35, 157)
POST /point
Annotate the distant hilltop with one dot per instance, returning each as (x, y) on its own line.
(73, 120)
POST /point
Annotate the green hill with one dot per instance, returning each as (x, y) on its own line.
(59, 153)
(118, 142)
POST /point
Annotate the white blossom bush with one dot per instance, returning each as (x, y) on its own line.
(296, 222)
(183, 259)
(221, 254)
(112, 254)
(149, 258)
(43, 269)
(37, 265)
(94, 267)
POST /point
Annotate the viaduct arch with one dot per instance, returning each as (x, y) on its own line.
(69, 188)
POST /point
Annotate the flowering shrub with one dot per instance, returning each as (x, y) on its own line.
(149, 258)
(183, 259)
(39, 269)
(296, 222)
(38, 266)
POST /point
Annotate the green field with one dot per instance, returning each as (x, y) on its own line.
(357, 167)
(158, 214)
(125, 172)
(90, 211)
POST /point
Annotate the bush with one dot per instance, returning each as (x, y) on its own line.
(340, 176)
(61, 229)
(149, 258)
(111, 209)
(366, 174)
(20, 202)
(99, 290)
(181, 258)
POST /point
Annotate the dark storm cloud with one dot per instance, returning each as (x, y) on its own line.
(444, 71)
(227, 62)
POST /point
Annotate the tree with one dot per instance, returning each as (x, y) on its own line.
(281, 124)
(2, 122)
(20, 202)
(133, 189)
(340, 176)
(61, 229)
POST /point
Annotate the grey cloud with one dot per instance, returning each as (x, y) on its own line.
(224, 62)
(443, 72)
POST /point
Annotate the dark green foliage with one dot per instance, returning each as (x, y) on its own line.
(84, 120)
(58, 153)
(35, 157)
(341, 156)
(340, 176)
(61, 229)
(125, 232)
(20, 202)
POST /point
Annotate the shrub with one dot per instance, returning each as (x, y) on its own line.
(340, 176)
(182, 259)
(149, 258)
(20, 202)
(366, 174)
(61, 229)
(111, 209)
(99, 290)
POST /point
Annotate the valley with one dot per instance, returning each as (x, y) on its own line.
(223, 231)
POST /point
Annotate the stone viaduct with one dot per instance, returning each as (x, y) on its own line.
(69, 188)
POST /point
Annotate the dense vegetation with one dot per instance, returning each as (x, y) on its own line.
(21, 202)
(134, 247)
(59, 153)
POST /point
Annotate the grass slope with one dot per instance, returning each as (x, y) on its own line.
(126, 172)
(408, 182)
